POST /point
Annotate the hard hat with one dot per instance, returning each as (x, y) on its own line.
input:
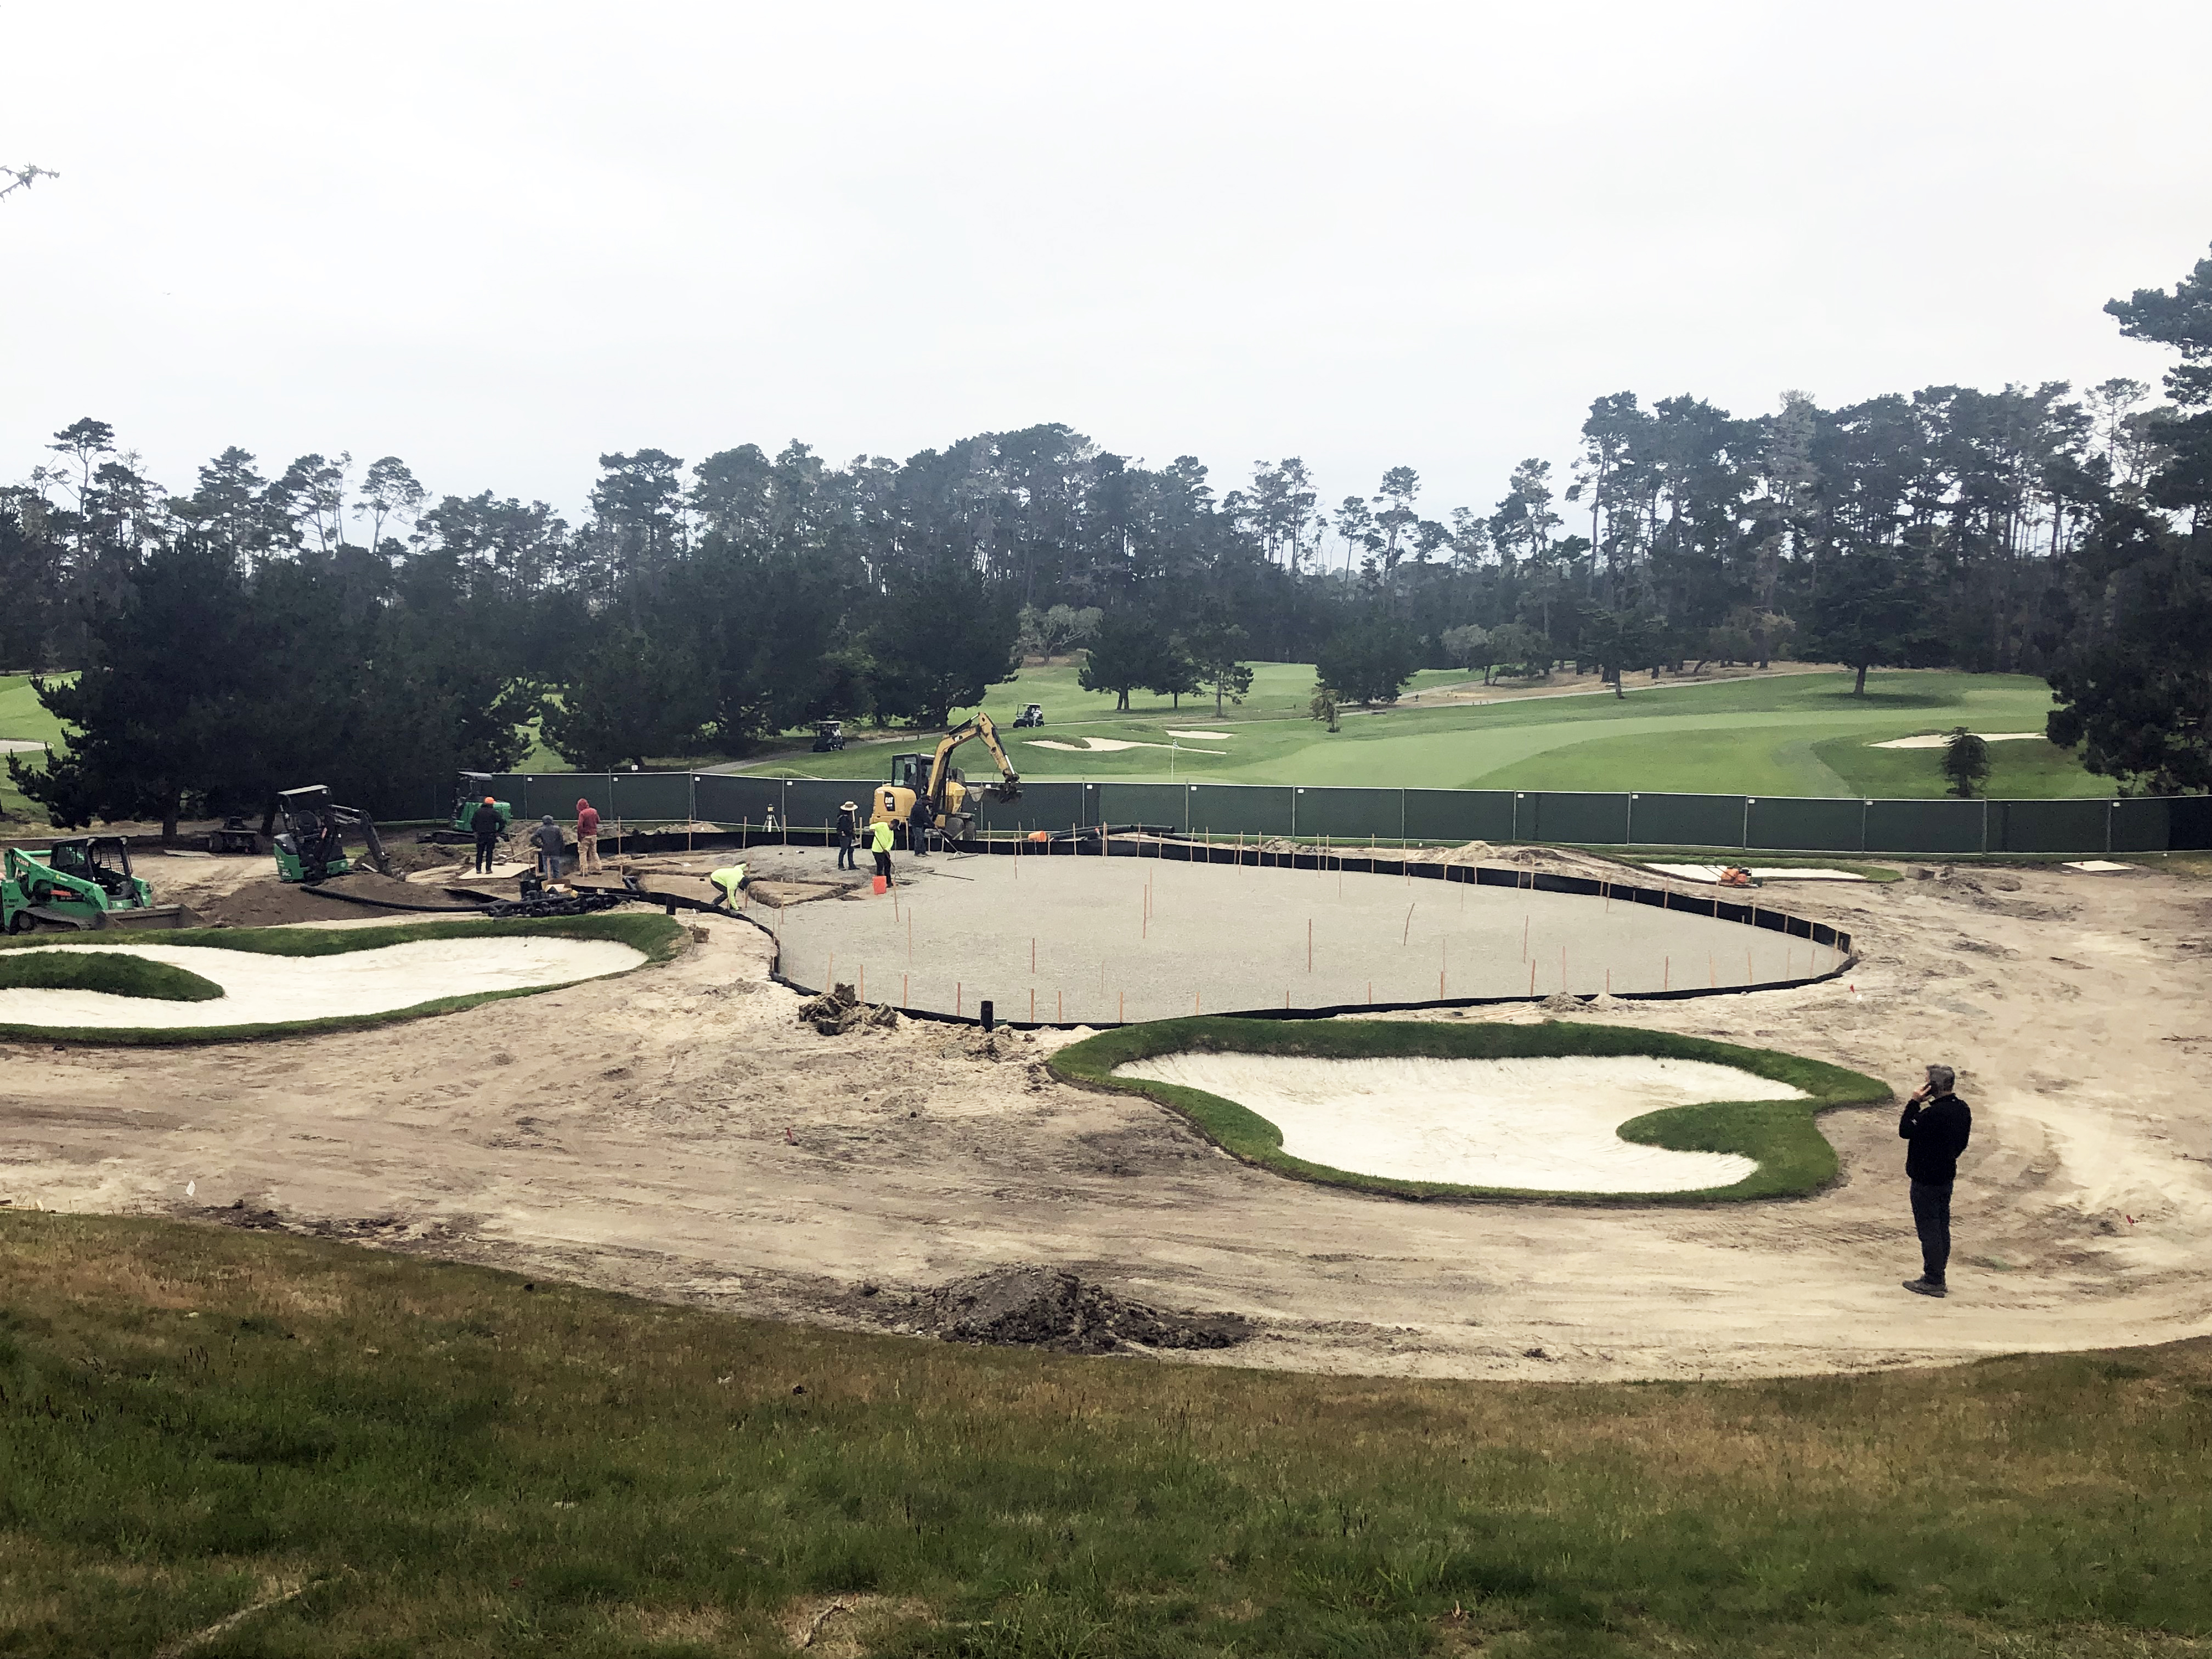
(488, 801)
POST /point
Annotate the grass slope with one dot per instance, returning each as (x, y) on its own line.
(657, 937)
(118, 976)
(1799, 735)
(1794, 1156)
(449, 1463)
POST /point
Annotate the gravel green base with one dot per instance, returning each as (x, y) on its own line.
(657, 936)
(1782, 1136)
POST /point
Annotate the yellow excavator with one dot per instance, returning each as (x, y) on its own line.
(948, 802)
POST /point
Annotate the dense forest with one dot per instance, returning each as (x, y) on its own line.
(258, 629)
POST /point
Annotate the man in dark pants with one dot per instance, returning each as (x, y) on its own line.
(1934, 1127)
(485, 824)
(848, 834)
(918, 826)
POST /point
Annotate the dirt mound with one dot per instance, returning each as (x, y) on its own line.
(1046, 1308)
(268, 903)
(839, 1009)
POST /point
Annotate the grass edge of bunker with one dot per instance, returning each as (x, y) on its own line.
(655, 936)
(1783, 1137)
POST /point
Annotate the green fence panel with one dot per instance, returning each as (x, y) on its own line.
(1548, 814)
(1685, 820)
(812, 803)
(1142, 803)
(1055, 806)
(2189, 822)
(1349, 814)
(644, 797)
(2143, 826)
(718, 798)
(2048, 826)
(1241, 809)
(1925, 826)
(1459, 815)
(1796, 823)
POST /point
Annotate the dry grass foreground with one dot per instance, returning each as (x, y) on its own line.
(365, 1455)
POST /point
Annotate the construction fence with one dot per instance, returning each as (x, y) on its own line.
(1776, 824)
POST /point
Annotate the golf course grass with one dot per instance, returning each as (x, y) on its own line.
(112, 975)
(1781, 1136)
(365, 1454)
(1792, 734)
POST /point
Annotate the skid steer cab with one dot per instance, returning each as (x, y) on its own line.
(311, 835)
(81, 883)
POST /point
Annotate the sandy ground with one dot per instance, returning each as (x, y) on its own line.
(676, 1133)
(1543, 1125)
(1130, 938)
(273, 990)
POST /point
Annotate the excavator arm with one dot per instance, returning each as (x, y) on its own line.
(1010, 785)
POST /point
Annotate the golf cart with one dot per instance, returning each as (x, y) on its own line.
(1032, 714)
(828, 736)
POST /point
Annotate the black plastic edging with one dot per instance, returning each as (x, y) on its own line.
(1482, 875)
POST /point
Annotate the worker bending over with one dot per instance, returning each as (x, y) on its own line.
(727, 885)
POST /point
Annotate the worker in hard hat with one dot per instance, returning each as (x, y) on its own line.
(486, 825)
(727, 885)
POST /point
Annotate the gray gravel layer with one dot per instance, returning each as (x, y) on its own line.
(1136, 938)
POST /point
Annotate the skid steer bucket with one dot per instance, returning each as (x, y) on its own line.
(154, 916)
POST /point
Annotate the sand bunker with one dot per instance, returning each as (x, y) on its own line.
(1937, 739)
(1104, 745)
(260, 990)
(1540, 1125)
(1209, 737)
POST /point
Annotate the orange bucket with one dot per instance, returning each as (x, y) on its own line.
(882, 886)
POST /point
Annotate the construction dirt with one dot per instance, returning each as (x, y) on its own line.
(678, 1133)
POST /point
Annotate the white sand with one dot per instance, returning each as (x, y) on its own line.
(1711, 872)
(1106, 745)
(1544, 1125)
(271, 990)
(1937, 739)
(1211, 736)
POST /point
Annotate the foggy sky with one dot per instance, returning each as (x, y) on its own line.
(498, 239)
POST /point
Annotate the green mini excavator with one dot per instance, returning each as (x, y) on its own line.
(311, 836)
(83, 882)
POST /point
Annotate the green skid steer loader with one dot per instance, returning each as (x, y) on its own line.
(311, 836)
(84, 883)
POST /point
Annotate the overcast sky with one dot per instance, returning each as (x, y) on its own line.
(498, 239)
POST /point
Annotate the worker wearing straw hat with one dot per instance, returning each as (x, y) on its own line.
(849, 836)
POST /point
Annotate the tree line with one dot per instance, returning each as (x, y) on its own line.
(236, 637)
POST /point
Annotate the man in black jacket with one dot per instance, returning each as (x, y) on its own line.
(1934, 1127)
(486, 825)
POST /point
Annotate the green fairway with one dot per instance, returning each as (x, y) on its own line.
(1801, 734)
(23, 719)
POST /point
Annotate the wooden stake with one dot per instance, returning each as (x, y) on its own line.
(1747, 967)
(1532, 979)
(1033, 953)
(1405, 936)
(1309, 945)
(905, 987)
(955, 998)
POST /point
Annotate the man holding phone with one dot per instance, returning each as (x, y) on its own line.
(1934, 1127)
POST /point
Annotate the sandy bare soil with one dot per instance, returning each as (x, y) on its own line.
(678, 1133)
